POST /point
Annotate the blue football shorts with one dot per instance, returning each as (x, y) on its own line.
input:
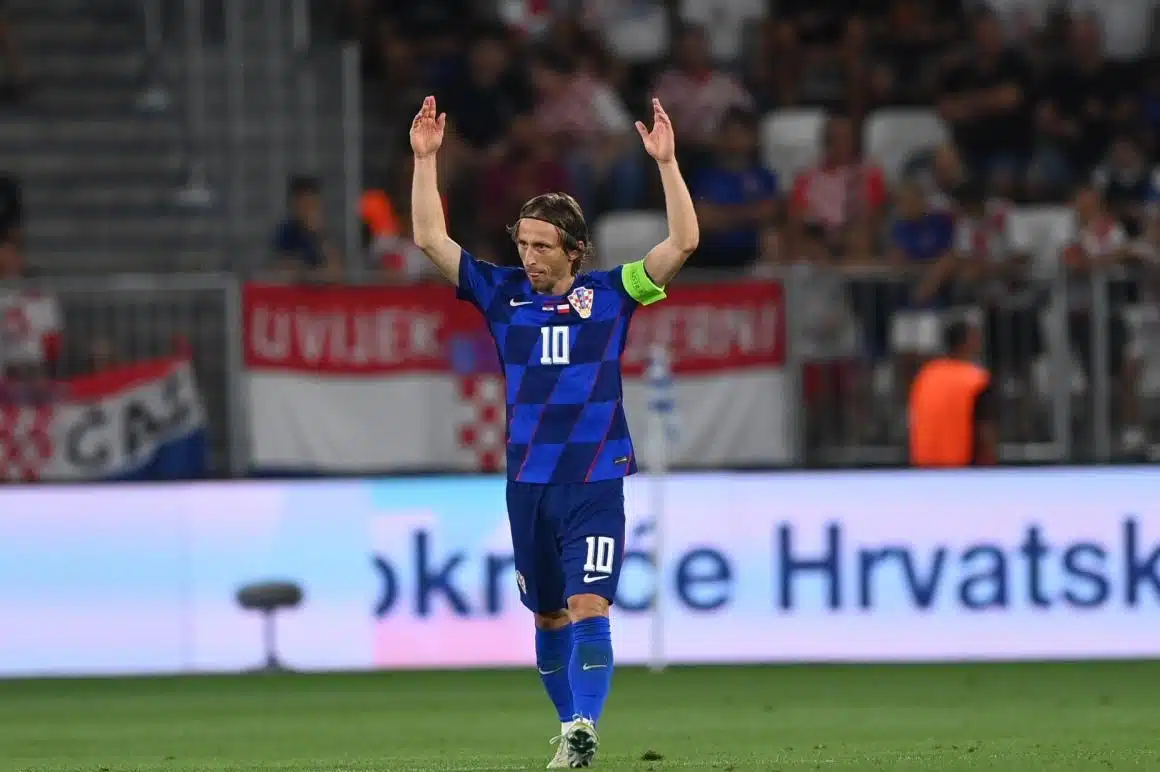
(568, 539)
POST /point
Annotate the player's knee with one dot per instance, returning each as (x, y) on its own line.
(582, 607)
(553, 620)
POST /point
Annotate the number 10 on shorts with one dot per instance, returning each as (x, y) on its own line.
(601, 550)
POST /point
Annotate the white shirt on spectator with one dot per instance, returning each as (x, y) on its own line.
(726, 22)
(587, 111)
(1097, 239)
(697, 105)
(987, 238)
(1127, 24)
(30, 327)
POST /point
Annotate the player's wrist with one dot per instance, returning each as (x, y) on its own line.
(426, 156)
(672, 162)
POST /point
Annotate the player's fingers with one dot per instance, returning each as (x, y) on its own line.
(441, 121)
(641, 130)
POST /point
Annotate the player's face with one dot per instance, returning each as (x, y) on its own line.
(542, 253)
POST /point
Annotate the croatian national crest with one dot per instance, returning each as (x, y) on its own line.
(581, 300)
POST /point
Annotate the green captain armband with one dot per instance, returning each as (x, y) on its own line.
(639, 286)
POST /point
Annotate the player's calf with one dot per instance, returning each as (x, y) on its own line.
(590, 670)
(553, 655)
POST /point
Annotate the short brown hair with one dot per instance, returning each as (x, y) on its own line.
(564, 212)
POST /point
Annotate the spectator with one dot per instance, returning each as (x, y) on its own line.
(737, 197)
(395, 66)
(583, 121)
(1144, 317)
(392, 255)
(839, 200)
(834, 383)
(1127, 183)
(1083, 98)
(941, 174)
(697, 96)
(485, 95)
(301, 247)
(1149, 95)
(527, 168)
(985, 99)
(30, 322)
(921, 244)
(11, 208)
(1100, 244)
(997, 278)
(912, 36)
(814, 36)
(15, 80)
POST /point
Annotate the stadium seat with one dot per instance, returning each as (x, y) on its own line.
(893, 135)
(791, 141)
(621, 237)
(639, 35)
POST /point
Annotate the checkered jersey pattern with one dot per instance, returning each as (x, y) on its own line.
(561, 362)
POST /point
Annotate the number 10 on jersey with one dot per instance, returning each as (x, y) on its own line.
(556, 346)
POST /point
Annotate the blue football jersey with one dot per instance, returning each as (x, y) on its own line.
(561, 362)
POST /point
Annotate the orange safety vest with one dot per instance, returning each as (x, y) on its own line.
(942, 412)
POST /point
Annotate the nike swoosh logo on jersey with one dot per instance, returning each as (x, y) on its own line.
(549, 672)
(594, 667)
(589, 578)
(516, 303)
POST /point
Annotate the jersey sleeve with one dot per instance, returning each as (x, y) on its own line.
(635, 282)
(478, 280)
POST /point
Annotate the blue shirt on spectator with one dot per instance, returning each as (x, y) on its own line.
(727, 187)
(924, 240)
(295, 240)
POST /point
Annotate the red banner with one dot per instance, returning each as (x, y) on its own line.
(377, 330)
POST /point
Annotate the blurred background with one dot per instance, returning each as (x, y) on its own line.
(182, 178)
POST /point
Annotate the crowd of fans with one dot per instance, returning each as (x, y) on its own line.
(1046, 101)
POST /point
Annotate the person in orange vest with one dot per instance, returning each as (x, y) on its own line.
(952, 407)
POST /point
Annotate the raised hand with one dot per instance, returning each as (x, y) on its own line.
(427, 129)
(659, 142)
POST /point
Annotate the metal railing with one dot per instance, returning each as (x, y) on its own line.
(1073, 387)
(118, 320)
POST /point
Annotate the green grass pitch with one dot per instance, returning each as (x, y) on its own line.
(1013, 718)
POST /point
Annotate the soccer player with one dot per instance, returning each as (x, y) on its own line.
(560, 333)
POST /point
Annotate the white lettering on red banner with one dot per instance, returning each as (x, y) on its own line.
(383, 329)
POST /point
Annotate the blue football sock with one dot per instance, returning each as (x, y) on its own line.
(591, 667)
(553, 650)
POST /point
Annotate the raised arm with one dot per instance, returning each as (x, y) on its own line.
(428, 227)
(665, 259)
